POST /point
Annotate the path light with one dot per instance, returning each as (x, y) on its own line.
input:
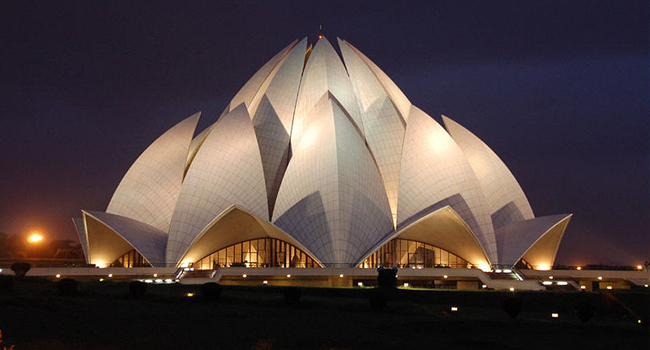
(155, 275)
(189, 294)
(454, 308)
(265, 282)
(609, 287)
(600, 278)
(360, 284)
(555, 315)
(512, 289)
(583, 287)
(244, 276)
(579, 268)
(110, 275)
(639, 267)
(288, 276)
(445, 276)
(406, 285)
(58, 275)
(341, 275)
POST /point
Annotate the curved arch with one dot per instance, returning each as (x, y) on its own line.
(535, 240)
(445, 229)
(257, 252)
(232, 226)
(405, 253)
(110, 236)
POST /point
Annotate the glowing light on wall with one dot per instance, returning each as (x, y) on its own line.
(485, 267)
(543, 267)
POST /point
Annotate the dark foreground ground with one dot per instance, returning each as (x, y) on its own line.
(105, 316)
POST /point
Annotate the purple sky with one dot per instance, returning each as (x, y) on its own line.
(558, 89)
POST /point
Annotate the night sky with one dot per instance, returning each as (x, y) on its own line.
(558, 89)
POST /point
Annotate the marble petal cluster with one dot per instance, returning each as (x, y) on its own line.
(323, 151)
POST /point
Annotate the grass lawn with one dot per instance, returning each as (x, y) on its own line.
(106, 316)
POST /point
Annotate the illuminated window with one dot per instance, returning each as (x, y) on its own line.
(263, 252)
(404, 253)
(131, 259)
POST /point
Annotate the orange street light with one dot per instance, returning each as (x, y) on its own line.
(34, 238)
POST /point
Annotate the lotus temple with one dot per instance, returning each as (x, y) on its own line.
(319, 165)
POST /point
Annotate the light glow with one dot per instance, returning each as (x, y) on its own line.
(639, 267)
(406, 285)
(512, 289)
(562, 283)
(155, 275)
(579, 268)
(360, 284)
(484, 267)
(58, 275)
(445, 276)
(265, 282)
(600, 278)
(454, 308)
(609, 287)
(288, 276)
(543, 267)
(341, 275)
(547, 283)
(583, 287)
(484, 286)
(555, 315)
(110, 275)
(34, 238)
(189, 294)
(244, 275)
(507, 271)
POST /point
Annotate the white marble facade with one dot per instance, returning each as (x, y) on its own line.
(326, 152)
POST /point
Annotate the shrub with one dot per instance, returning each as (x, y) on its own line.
(387, 278)
(67, 287)
(512, 306)
(20, 268)
(292, 295)
(585, 311)
(137, 289)
(211, 290)
(377, 299)
(6, 283)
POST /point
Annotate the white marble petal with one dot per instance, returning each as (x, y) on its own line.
(105, 246)
(396, 95)
(226, 170)
(332, 199)
(324, 72)
(505, 198)
(149, 190)
(434, 171)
